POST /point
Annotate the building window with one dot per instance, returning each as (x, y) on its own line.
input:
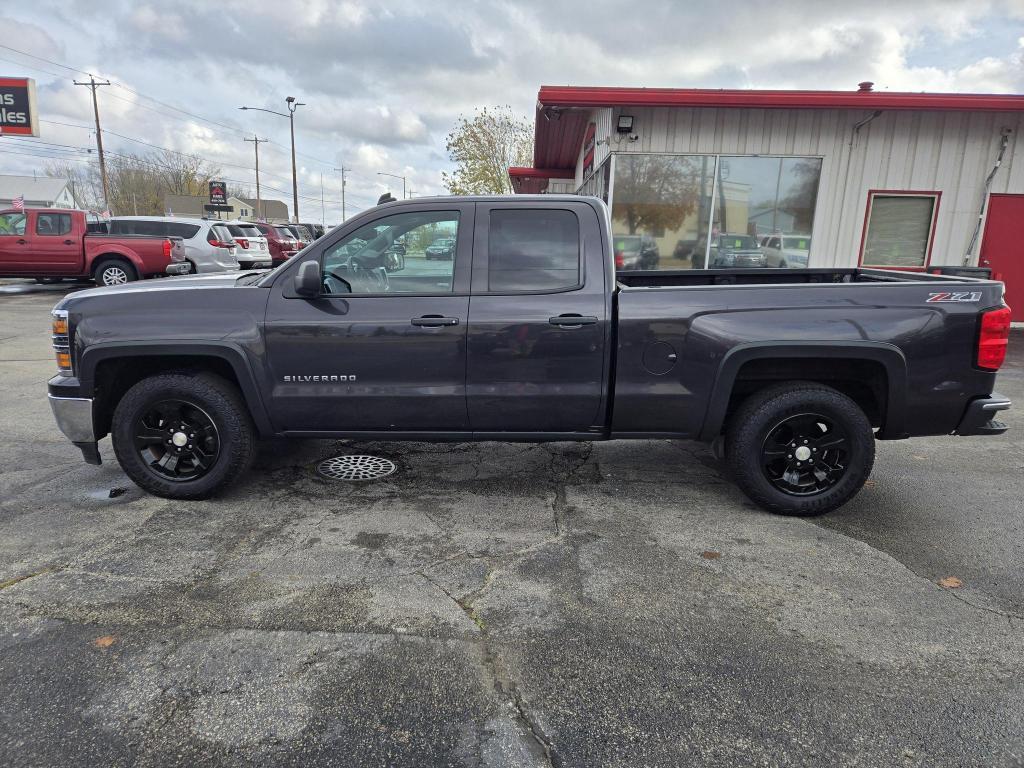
(899, 228)
(714, 211)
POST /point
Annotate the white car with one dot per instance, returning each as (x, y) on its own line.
(253, 251)
(786, 250)
(209, 246)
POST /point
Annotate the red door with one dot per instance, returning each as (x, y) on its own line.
(1002, 248)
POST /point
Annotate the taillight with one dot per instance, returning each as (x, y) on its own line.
(62, 340)
(620, 262)
(167, 249)
(220, 244)
(992, 338)
(243, 243)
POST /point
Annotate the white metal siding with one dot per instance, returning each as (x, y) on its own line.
(947, 152)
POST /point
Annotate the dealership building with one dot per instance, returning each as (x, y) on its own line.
(912, 181)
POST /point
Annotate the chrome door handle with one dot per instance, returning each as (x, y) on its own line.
(434, 321)
(572, 321)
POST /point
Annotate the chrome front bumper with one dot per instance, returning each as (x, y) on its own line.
(74, 419)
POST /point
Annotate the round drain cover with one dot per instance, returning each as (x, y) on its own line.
(356, 467)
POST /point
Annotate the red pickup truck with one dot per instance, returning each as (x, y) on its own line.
(53, 243)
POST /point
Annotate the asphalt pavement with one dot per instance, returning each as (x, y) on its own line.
(609, 604)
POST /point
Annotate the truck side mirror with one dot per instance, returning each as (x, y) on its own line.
(307, 279)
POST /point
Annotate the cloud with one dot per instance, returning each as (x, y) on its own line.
(384, 83)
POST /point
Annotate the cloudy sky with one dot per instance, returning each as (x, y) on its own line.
(385, 82)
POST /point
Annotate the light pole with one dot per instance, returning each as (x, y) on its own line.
(292, 106)
(395, 176)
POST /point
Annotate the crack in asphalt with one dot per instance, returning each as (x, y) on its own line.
(25, 577)
(1009, 615)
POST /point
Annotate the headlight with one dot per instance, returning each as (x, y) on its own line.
(62, 340)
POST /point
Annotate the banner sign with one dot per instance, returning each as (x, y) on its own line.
(18, 114)
(218, 193)
(588, 150)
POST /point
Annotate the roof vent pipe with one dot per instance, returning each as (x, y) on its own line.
(865, 87)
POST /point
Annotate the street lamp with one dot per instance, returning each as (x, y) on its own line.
(292, 106)
(395, 176)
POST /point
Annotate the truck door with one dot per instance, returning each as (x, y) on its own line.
(378, 350)
(538, 319)
(55, 248)
(13, 243)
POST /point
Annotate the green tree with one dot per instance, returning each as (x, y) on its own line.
(484, 147)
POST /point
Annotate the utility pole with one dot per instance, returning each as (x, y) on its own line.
(256, 141)
(93, 85)
(323, 216)
(342, 169)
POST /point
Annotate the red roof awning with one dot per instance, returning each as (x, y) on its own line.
(563, 111)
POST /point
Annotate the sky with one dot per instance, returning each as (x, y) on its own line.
(384, 83)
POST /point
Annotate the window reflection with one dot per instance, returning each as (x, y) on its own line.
(708, 212)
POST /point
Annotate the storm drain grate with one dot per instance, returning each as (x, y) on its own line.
(356, 467)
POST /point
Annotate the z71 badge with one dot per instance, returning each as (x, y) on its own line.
(944, 297)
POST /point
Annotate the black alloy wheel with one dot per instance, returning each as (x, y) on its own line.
(183, 435)
(805, 454)
(177, 440)
(799, 448)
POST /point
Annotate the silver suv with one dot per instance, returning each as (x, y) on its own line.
(253, 252)
(209, 245)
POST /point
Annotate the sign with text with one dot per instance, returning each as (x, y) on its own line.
(18, 115)
(218, 193)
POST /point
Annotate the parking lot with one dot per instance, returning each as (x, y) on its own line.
(491, 604)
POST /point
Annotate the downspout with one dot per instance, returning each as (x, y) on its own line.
(1004, 141)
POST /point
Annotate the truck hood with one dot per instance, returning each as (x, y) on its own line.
(158, 285)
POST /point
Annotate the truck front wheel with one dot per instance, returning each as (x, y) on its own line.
(800, 449)
(183, 436)
(114, 272)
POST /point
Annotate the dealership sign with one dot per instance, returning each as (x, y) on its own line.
(18, 115)
(218, 193)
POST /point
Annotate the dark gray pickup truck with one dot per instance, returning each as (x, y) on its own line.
(527, 334)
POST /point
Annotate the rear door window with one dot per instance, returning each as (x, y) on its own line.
(533, 251)
(53, 223)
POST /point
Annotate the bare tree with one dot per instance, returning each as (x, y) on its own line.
(484, 147)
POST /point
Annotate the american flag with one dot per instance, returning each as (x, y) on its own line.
(19, 203)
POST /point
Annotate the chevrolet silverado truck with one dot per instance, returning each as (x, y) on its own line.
(54, 243)
(527, 334)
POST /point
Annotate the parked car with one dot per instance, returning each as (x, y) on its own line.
(205, 250)
(55, 243)
(301, 234)
(315, 230)
(253, 252)
(280, 240)
(786, 250)
(442, 248)
(730, 252)
(635, 252)
(529, 337)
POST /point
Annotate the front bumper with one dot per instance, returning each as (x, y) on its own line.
(74, 419)
(979, 419)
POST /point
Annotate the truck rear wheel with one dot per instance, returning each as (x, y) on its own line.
(183, 436)
(114, 272)
(800, 449)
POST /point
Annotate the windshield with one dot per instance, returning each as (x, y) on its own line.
(737, 241)
(797, 243)
(627, 243)
(284, 232)
(235, 230)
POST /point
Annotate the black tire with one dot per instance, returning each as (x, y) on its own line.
(114, 272)
(201, 395)
(774, 428)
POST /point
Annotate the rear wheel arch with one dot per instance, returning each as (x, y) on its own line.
(109, 371)
(872, 374)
